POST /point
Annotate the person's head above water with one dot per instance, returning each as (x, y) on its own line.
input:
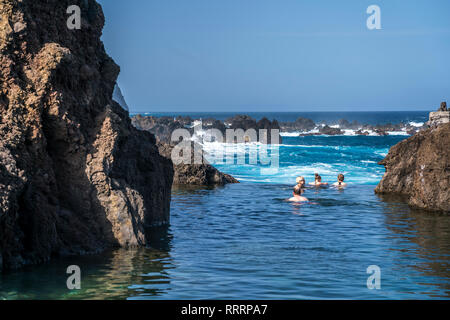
(317, 178)
(298, 191)
(341, 177)
(300, 180)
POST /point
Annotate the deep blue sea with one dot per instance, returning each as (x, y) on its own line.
(244, 241)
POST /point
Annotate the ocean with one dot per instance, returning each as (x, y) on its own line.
(245, 241)
(367, 117)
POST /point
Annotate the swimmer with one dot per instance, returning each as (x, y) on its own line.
(318, 181)
(300, 182)
(298, 195)
(340, 183)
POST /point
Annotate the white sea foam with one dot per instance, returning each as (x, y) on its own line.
(398, 133)
(382, 153)
(289, 134)
(346, 132)
(416, 124)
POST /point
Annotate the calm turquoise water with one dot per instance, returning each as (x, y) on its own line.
(245, 242)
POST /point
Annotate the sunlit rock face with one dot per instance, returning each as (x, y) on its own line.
(75, 176)
(419, 168)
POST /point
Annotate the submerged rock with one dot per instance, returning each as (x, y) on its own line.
(75, 176)
(419, 168)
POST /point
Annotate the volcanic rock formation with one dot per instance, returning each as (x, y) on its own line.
(75, 176)
(419, 168)
(202, 174)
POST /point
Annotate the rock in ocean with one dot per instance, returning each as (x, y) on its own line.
(75, 176)
(203, 174)
(419, 168)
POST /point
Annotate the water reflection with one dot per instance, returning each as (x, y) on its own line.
(117, 274)
(222, 244)
(429, 237)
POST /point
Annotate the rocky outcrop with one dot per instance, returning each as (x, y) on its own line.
(345, 124)
(330, 131)
(419, 168)
(203, 174)
(162, 127)
(196, 174)
(75, 175)
(246, 122)
(301, 125)
(362, 133)
(439, 117)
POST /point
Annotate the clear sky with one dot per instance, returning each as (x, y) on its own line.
(279, 55)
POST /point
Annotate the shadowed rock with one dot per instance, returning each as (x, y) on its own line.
(330, 131)
(75, 176)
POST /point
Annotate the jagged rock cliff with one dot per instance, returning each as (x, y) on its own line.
(419, 168)
(75, 175)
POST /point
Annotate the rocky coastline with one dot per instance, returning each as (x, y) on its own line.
(162, 127)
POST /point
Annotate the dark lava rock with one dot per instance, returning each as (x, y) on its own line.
(345, 124)
(381, 132)
(362, 133)
(162, 127)
(267, 125)
(184, 174)
(419, 168)
(330, 131)
(246, 122)
(195, 174)
(243, 122)
(301, 124)
(75, 176)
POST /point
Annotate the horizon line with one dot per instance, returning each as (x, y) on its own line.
(321, 111)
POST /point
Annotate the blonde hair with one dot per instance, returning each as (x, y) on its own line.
(300, 179)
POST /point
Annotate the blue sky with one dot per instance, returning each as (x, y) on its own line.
(279, 55)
